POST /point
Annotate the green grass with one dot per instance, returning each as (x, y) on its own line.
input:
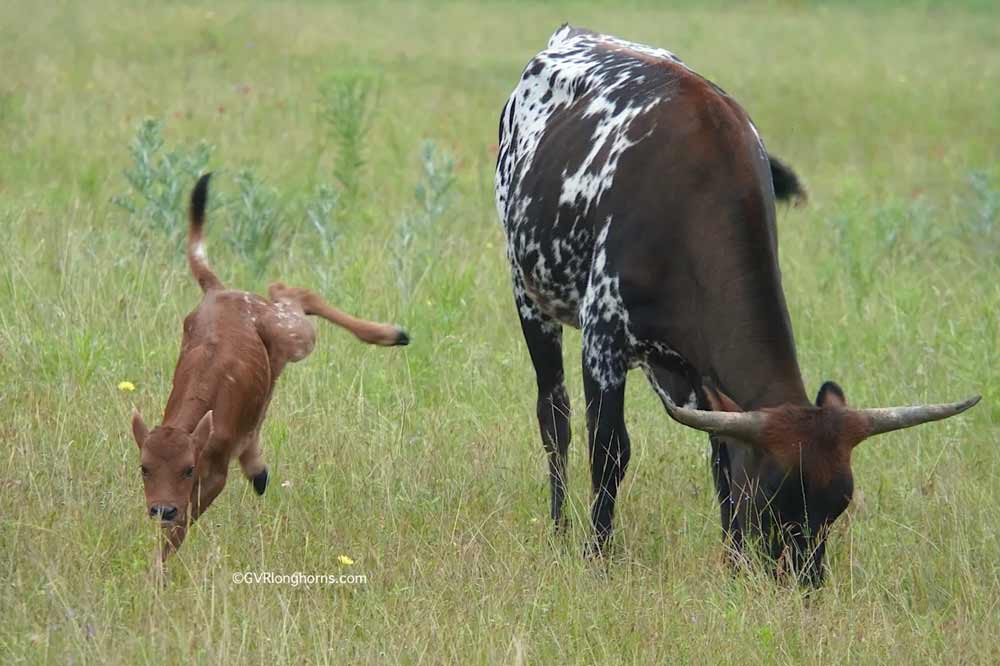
(424, 464)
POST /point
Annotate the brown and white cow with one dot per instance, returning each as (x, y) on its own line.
(639, 206)
(235, 345)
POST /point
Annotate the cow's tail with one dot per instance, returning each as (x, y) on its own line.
(207, 280)
(787, 186)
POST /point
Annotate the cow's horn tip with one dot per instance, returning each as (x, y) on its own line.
(971, 402)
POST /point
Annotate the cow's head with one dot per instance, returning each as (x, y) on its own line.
(794, 478)
(168, 462)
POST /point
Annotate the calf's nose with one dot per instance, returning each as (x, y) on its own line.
(164, 512)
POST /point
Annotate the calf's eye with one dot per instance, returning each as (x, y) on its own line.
(145, 471)
(189, 473)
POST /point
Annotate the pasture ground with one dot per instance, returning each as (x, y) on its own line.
(424, 465)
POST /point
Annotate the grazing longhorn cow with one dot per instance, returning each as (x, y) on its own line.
(234, 348)
(638, 204)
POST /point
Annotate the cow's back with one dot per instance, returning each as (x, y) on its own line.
(582, 81)
(586, 109)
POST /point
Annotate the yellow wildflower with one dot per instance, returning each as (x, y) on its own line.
(345, 560)
(126, 386)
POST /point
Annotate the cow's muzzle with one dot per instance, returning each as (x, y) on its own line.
(166, 514)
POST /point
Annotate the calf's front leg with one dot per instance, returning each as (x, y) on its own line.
(206, 489)
(252, 463)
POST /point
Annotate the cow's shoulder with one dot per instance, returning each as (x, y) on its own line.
(577, 60)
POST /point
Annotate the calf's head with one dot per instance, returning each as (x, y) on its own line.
(792, 477)
(169, 461)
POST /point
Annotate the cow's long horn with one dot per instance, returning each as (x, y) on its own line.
(887, 419)
(746, 426)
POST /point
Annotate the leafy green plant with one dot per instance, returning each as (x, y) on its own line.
(319, 212)
(433, 191)
(347, 102)
(982, 219)
(412, 258)
(159, 180)
(254, 227)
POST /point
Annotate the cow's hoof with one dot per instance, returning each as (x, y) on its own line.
(560, 527)
(596, 549)
(260, 482)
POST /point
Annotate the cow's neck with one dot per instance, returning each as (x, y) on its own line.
(768, 381)
(753, 358)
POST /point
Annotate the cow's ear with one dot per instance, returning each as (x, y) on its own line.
(202, 432)
(719, 401)
(831, 395)
(139, 429)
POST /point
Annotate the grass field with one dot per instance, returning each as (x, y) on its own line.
(424, 465)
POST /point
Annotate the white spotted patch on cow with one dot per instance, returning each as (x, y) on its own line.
(550, 273)
(554, 79)
(605, 321)
(586, 185)
(559, 270)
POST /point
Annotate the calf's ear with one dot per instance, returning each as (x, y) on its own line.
(831, 395)
(202, 432)
(139, 429)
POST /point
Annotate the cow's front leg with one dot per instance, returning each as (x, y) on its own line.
(732, 534)
(674, 380)
(604, 372)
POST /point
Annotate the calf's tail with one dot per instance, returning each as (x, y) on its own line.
(197, 259)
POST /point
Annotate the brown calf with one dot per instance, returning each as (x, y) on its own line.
(234, 347)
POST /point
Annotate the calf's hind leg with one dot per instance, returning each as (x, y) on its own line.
(312, 303)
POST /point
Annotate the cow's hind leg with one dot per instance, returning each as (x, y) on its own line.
(543, 337)
(604, 370)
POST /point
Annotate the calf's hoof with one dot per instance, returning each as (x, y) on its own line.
(260, 482)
